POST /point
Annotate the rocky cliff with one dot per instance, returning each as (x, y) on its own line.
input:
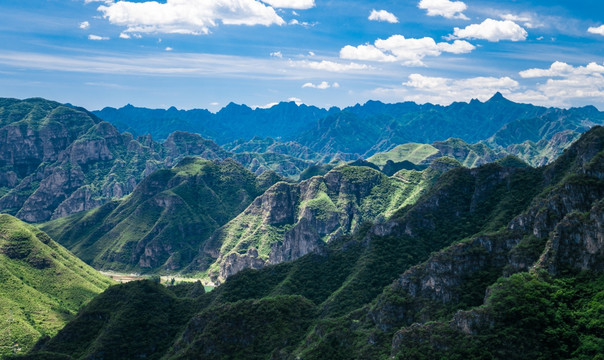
(165, 219)
(291, 220)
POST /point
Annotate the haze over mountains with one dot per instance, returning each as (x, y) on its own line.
(364, 232)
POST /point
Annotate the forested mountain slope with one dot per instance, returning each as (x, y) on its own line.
(42, 285)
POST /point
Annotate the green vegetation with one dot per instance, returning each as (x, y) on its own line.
(42, 285)
(161, 225)
(413, 152)
(137, 319)
(530, 316)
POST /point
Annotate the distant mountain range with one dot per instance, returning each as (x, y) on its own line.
(363, 130)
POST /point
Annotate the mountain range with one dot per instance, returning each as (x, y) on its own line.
(375, 231)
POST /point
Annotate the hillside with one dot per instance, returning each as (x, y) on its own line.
(414, 286)
(42, 285)
(165, 220)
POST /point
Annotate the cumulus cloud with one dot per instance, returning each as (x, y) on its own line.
(565, 85)
(169, 48)
(596, 30)
(440, 90)
(322, 86)
(84, 25)
(492, 30)
(187, 16)
(445, 8)
(562, 69)
(291, 4)
(383, 15)
(408, 51)
(331, 66)
(97, 38)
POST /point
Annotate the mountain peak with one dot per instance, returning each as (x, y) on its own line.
(497, 97)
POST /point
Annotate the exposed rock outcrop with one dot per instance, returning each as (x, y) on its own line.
(291, 220)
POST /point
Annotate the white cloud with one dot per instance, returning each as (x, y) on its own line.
(383, 15)
(365, 53)
(526, 20)
(296, 100)
(103, 1)
(169, 48)
(445, 8)
(408, 51)
(562, 69)
(124, 36)
(301, 23)
(97, 38)
(267, 106)
(214, 103)
(311, 53)
(596, 30)
(322, 86)
(566, 85)
(492, 30)
(187, 16)
(291, 4)
(84, 25)
(331, 66)
(277, 54)
(440, 90)
(457, 47)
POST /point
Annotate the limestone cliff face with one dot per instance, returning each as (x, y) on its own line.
(291, 220)
(577, 243)
(422, 290)
(161, 224)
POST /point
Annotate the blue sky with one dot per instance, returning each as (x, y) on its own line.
(207, 53)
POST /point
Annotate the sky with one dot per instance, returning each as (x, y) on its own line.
(207, 53)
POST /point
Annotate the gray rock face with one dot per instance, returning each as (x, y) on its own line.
(423, 289)
(58, 160)
(291, 220)
(577, 243)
